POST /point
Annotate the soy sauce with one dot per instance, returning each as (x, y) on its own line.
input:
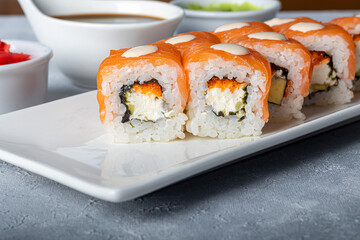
(109, 18)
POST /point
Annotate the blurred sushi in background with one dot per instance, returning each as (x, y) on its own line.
(333, 55)
(352, 26)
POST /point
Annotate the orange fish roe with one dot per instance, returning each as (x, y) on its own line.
(319, 57)
(289, 88)
(149, 89)
(273, 71)
(356, 38)
(223, 84)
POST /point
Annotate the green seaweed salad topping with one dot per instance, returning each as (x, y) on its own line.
(224, 7)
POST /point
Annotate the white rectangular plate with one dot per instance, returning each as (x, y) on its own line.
(65, 141)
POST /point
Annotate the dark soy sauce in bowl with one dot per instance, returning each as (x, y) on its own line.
(109, 18)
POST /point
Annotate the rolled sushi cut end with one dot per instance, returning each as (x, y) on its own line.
(226, 100)
(324, 74)
(326, 85)
(226, 97)
(143, 102)
(278, 84)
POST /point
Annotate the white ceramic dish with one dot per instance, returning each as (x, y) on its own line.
(80, 47)
(209, 21)
(64, 141)
(24, 84)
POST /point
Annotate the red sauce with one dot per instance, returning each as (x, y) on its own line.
(7, 57)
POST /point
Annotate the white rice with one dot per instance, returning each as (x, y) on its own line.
(336, 95)
(164, 130)
(203, 122)
(290, 109)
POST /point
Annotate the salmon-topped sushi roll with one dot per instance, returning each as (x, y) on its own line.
(229, 87)
(142, 93)
(352, 26)
(232, 30)
(185, 41)
(291, 72)
(277, 24)
(333, 57)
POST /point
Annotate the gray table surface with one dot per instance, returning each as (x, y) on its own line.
(306, 190)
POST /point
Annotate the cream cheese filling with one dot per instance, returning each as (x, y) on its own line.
(145, 108)
(323, 75)
(226, 103)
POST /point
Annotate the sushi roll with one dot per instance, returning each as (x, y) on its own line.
(185, 41)
(229, 87)
(333, 57)
(238, 29)
(142, 93)
(352, 26)
(277, 24)
(291, 72)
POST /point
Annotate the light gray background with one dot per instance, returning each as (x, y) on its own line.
(306, 190)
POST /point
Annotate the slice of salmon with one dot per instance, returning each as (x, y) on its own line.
(254, 27)
(200, 38)
(350, 24)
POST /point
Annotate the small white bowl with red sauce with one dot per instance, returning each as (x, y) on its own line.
(23, 75)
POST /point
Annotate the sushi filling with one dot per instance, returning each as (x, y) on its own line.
(143, 102)
(324, 74)
(279, 82)
(226, 97)
(357, 56)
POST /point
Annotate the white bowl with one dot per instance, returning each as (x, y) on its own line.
(209, 20)
(80, 47)
(24, 84)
